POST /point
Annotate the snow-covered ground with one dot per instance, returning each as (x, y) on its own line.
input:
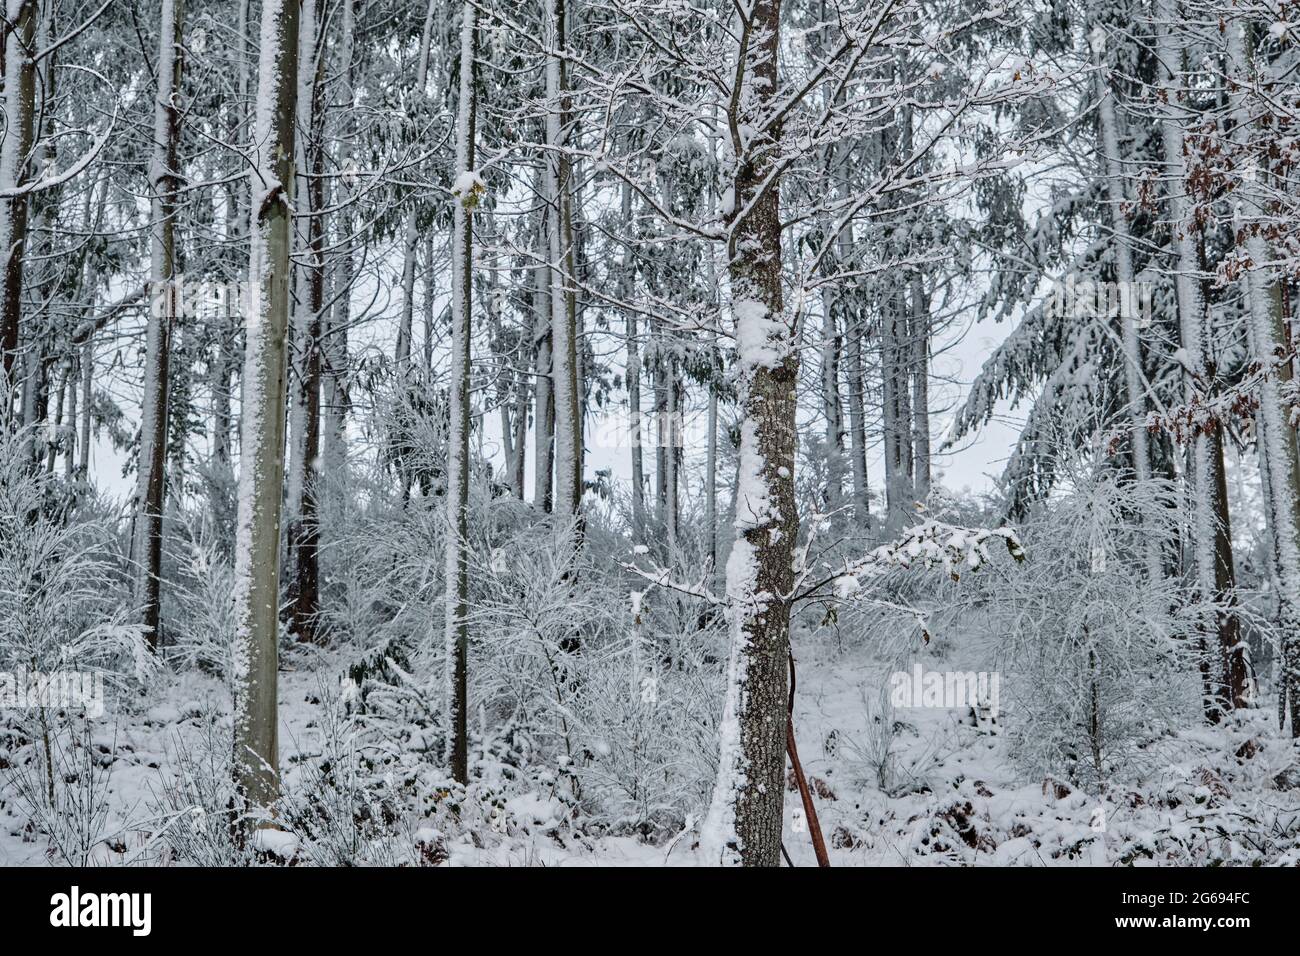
(925, 786)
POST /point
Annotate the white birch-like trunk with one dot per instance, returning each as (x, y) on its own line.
(19, 105)
(1276, 438)
(1211, 546)
(1113, 169)
(261, 477)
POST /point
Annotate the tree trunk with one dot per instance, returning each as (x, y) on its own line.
(164, 181)
(744, 819)
(1211, 531)
(334, 338)
(411, 236)
(920, 342)
(637, 434)
(257, 552)
(856, 380)
(303, 538)
(1279, 463)
(544, 414)
(19, 107)
(458, 438)
(568, 428)
(895, 352)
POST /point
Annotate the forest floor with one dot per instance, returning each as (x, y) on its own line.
(915, 786)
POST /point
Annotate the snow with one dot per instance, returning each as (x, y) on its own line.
(468, 183)
(761, 340)
(941, 762)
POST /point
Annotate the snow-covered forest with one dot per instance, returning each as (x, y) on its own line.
(649, 432)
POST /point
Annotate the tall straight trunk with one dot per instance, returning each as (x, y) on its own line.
(411, 236)
(1279, 463)
(219, 379)
(43, 218)
(87, 403)
(430, 294)
(1211, 530)
(1117, 198)
(856, 381)
(559, 187)
(896, 406)
(666, 440)
(163, 182)
(711, 471)
(834, 157)
(544, 413)
(744, 818)
(225, 361)
(519, 419)
(672, 457)
(55, 420)
(334, 335)
(920, 363)
(660, 388)
(70, 427)
(458, 437)
(15, 169)
(711, 414)
(261, 476)
(627, 280)
(832, 407)
(303, 538)
(95, 198)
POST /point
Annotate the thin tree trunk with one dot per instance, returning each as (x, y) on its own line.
(896, 407)
(544, 414)
(458, 438)
(920, 342)
(1113, 169)
(568, 429)
(87, 402)
(303, 536)
(637, 433)
(856, 380)
(411, 236)
(164, 181)
(334, 338)
(832, 408)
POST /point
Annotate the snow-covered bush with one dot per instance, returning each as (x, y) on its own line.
(199, 603)
(1099, 660)
(63, 597)
(66, 624)
(64, 788)
(190, 808)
